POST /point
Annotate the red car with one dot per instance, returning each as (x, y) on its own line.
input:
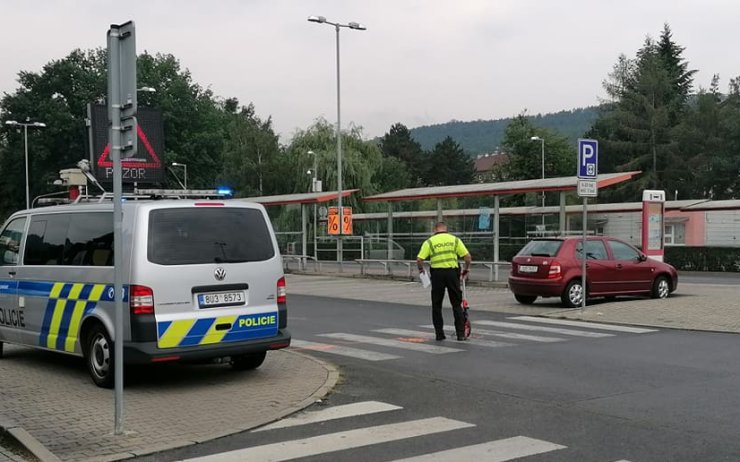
(552, 268)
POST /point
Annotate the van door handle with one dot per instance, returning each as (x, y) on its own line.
(11, 273)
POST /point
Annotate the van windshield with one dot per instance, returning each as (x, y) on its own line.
(198, 235)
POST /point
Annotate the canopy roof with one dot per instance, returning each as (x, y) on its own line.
(302, 198)
(493, 189)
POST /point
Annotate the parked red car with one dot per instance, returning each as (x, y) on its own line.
(551, 267)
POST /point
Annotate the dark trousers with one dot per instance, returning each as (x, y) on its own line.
(447, 278)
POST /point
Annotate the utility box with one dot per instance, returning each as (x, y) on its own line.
(73, 177)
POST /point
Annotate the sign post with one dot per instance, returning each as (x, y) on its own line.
(588, 170)
(653, 229)
(123, 139)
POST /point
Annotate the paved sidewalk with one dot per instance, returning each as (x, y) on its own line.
(53, 399)
(693, 306)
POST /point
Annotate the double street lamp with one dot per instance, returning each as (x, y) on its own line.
(337, 26)
(542, 141)
(25, 125)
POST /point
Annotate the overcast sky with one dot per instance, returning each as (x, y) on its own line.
(420, 62)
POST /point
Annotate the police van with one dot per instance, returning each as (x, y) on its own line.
(203, 279)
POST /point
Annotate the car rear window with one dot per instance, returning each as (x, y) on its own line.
(199, 235)
(541, 248)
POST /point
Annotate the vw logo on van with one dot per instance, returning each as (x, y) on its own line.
(219, 274)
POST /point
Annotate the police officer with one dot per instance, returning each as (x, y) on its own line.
(443, 251)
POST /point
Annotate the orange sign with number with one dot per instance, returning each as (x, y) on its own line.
(347, 220)
(333, 221)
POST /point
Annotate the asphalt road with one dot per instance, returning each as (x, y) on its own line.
(586, 394)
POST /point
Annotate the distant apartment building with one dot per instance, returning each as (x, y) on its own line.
(485, 163)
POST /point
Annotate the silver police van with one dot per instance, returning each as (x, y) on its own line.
(203, 279)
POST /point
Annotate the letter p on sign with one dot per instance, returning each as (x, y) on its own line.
(588, 159)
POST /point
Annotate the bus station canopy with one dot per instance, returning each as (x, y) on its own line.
(301, 198)
(497, 189)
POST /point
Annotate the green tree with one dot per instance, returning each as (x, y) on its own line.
(399, 144)
(447, 164)
(637, 126)
(525, 154)
(251, 150)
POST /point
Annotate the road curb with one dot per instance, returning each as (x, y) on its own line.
(27, 441)
(393, 277)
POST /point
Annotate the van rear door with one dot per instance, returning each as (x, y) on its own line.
(211, 274)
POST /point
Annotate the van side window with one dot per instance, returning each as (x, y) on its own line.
(10, 242)
(47, 236)
(90, 240)
(75, 239)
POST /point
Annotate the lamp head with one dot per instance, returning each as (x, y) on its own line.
(536, 138)
(356, 26)
(318, 19)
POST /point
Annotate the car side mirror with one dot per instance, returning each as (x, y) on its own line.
(642, 257)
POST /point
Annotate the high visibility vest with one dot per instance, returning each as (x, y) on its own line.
(443, 250)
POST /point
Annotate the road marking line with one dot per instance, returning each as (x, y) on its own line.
(342, 350)
(332, 413)
(429, 336)
(589, 325)
(340, 441)
(510, 335)
(494, 451)
(392, 343)
(554, 330)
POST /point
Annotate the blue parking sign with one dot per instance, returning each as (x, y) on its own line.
(588, 159)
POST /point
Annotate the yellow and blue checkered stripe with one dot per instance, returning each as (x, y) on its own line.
(203, 331)
(68, 304)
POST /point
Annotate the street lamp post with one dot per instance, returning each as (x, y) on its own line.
(337, 26)
(185, 172)
(25, 125)
(542, 142)
(314, 188)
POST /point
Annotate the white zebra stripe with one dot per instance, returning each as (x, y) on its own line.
(424, 348)
(342, 350)
(554, 330)
(340, 441)
(494, 451)
(429, 336)
(510, 335)
(588, 325)
(332, 413)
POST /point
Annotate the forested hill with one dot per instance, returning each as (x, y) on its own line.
(481, 136)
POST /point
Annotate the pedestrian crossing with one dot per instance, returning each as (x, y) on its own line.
(327, 445)
(512, 332)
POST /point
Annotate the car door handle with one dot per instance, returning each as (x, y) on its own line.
(619, 266)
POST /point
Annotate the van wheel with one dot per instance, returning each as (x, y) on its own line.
(661, 287)
(1, 349)
(99, 356)
(248, 362)
(573, 295)
(525, 299)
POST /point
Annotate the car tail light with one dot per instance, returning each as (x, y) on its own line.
(555, 270)
(281, 292)
(141, 300)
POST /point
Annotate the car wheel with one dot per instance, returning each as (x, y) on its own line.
(525, 299)
(661, 287)
(99, 356)
(248, 362)
(573, 295)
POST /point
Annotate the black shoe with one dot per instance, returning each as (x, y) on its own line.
(441, 336)
(461, 338)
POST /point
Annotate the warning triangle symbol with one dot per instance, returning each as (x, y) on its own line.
(104, 158)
